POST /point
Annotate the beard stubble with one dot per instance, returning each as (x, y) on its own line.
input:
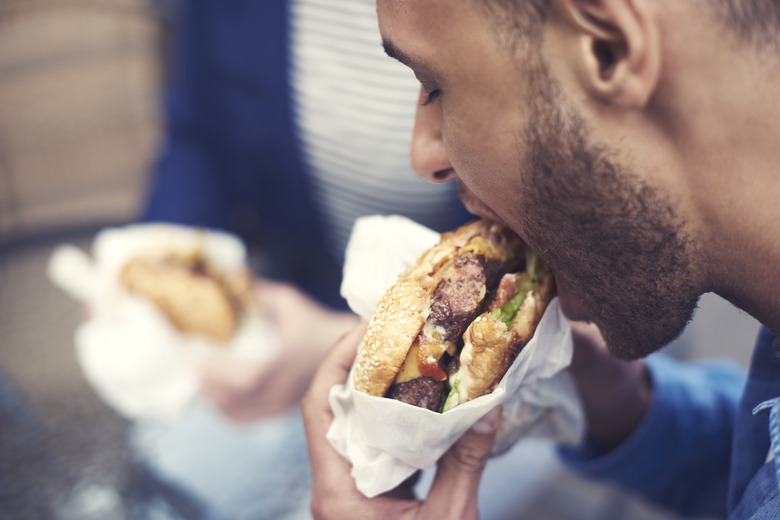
(614, 239)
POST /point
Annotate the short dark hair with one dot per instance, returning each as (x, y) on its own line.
(756, 22)
(518, 19)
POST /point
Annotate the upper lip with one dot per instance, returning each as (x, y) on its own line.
(480, 212)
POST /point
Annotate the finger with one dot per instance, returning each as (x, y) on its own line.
(222, 399)
(336, 364)
(268, 294)
(261, 284)
(218, 372)
(249, 412)
(231, 379)
(232, 387)
(332, 486)
(317, 414)
(453, 493)
(276, 296)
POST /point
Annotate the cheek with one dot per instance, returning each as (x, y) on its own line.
(487, 162)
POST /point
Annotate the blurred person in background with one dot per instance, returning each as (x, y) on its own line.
(284, 123)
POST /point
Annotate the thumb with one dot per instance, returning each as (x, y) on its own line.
(455, 486)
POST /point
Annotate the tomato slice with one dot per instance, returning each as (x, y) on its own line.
(428, 356)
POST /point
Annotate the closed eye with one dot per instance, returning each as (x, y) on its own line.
(432, 96)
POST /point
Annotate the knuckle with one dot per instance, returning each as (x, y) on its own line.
(469, 457)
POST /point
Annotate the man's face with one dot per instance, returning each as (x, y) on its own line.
(522, 154)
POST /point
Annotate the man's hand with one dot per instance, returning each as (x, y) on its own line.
(334, 495)
(615, 394)
(245, 390)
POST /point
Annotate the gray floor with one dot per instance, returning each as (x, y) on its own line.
(65, 456)
(79, 450)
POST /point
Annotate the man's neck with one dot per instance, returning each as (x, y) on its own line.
(730, 149)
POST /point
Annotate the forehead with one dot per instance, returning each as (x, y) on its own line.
(419, 28)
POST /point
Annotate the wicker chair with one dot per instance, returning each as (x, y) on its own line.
(79, 85)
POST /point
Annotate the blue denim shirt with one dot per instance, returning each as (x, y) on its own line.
(754, 490)
(701, 449)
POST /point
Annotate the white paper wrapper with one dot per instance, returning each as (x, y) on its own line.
(136, 361)
(387, 440)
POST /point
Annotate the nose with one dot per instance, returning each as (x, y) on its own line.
(429, 159)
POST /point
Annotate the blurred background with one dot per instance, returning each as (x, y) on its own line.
(80, 86)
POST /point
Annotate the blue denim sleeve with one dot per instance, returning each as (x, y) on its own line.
(231, 158)
(679, 456)
(184, 185)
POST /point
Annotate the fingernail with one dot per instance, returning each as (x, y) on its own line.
(488, 423)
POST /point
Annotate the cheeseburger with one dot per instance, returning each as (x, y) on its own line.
(453, 323)
(195, 295)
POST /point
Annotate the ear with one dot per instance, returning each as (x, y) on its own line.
(618, 51)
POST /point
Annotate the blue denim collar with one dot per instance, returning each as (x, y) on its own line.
(772, 407)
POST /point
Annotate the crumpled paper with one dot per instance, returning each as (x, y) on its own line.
(387, 440)
(129, 352)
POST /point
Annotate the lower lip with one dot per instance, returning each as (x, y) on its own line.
(482, 211)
